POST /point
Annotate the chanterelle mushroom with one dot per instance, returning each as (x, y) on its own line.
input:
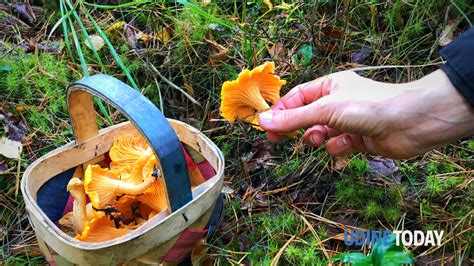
(155, 196)
(101, 228)
(250, 93)
(127, 150)
(134, 160)
(102, 185)
(76, 188)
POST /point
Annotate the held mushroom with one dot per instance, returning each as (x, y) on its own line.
(102, 185)
(250, 93)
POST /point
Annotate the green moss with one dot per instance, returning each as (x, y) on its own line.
(288, 167)
(372, 210)
(358, 166)
(392, 214)
(432, 168)
(435, 186)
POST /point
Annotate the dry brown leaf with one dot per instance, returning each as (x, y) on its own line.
(340, 163)
(163, 35)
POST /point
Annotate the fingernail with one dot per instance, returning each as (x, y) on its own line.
(342, 141)
(265, 117)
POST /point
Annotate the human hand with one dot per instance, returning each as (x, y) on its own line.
(359, 114)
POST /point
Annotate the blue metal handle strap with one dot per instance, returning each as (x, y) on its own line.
(150, 122)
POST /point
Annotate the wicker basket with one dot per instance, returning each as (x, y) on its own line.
(151, 242)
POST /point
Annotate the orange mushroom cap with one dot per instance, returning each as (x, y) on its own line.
(126, 150)
(102, 185)
(129, 208)
(155, 196)
(249, 93)
(101, 228)
(132, 152)
(146, 212)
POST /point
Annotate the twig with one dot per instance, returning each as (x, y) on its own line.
(172, 84)
(11, 49)
(280, 252)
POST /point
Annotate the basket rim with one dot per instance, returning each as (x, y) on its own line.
(33, 208)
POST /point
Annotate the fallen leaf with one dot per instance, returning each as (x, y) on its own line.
(334, 33)
(3, 168)
(25, 10)
(227, 190)
(10, 148)
(14, 127)
(268, 3)
(143, 36)
(220, 52)
(244, 242)
(340, 163)
(259, 157)
(130, 37)
(20, 108)
(49, 46)
(115, 26)
(277, 49)
(163, 35)
(219, 57)
(361, 55)
(96, 41)
(380, 167)
(447, 35)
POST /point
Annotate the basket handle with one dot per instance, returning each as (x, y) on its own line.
(146, 118)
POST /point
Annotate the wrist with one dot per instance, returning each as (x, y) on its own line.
(439, 114)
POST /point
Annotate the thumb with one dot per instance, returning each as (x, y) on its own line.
(283, 121)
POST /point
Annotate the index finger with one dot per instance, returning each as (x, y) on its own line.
(304, 94)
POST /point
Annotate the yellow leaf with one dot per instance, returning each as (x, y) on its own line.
(116, 25)
(20, 108)
(268, 3)
(163, 35)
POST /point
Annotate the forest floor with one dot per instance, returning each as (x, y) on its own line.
(284, 200)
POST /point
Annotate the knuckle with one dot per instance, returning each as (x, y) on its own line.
(288, 115)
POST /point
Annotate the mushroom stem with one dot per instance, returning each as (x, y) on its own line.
(76, 188)
(256, 100)
(132, 189)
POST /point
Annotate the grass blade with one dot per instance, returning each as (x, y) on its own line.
(112, 51)
(85, 70)
(82, 59)
(65, 31)
(86, 36)
(130, 4)
(462, 13)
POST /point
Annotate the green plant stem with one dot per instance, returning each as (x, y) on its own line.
(130, 4)
(85, 70)
(112, 50)
(203, 13)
